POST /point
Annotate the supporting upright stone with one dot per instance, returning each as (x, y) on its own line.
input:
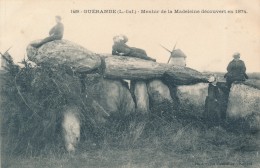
(192, 99)
(141, 96)
(160, 98)
(158, 91)
(244, 103)
(113, 96)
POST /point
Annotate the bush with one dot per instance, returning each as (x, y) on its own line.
(33, 99)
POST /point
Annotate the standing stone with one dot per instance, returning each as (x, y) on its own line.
(192, 99)
(71, 127)
(158, 91)
(244, 103)
(141, 96)
(160, 98)
(112, 96)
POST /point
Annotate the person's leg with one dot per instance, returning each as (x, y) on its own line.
(138, 50)
(46, 40)
(144, 55)
(139, 53)
(229, 83)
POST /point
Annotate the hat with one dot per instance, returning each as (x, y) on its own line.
(236, 55)
(121, 37)
(212, 78)
(58, 17)
(116, 39)
(125, 39)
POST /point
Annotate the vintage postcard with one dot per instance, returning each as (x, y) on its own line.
(173, 83)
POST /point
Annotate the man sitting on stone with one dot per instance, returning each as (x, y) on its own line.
(56, 33)
(120, 48)
(236, 70)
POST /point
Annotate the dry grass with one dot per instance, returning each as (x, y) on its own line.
(132, 141)
(190, 146)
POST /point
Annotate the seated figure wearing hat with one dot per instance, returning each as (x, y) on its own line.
(56, 33)
(120, 48)
(236, 70)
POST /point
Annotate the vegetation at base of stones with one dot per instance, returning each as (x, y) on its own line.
(181, 142)
(33, 99)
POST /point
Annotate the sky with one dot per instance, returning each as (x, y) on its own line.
(208, 40)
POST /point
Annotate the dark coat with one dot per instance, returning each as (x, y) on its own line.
(57, 30)
(212, 113)
(56, 33)
(121, 48)
(236, 71)
(125, 50)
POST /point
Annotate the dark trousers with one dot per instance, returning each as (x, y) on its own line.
(212, 113)
(46, 40)
(231, 80)
(140, 53)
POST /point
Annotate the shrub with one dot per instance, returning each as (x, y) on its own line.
(33, 99)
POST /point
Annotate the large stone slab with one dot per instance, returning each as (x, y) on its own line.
(180, 75)
(63, 52)
(244, 103)
(192, 99)
(138, 69)
(132, 68)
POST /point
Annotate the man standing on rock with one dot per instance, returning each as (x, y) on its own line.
(120, 48)
(236, 70)
(56, 33)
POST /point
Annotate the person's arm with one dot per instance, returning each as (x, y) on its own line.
(124, 49)
(51, 31)
(243, 67)
(229, 67)
(59, 29)
(114, 52)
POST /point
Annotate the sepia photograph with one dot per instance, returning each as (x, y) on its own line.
(130, 84)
